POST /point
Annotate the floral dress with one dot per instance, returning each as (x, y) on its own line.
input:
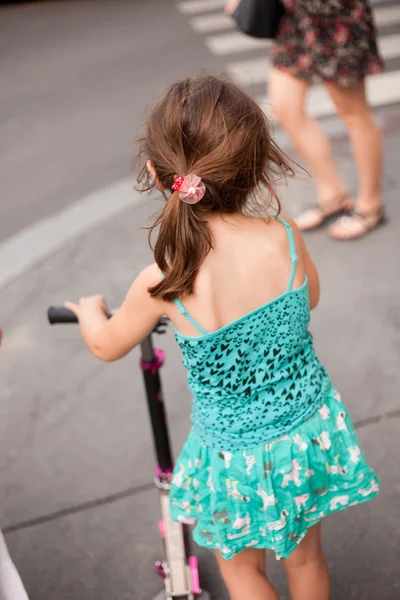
(272, 450)
(327, 39)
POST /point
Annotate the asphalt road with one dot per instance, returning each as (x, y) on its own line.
(76, 78)
(76, 459)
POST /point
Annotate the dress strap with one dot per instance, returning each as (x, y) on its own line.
(293, 253)
(185, 313)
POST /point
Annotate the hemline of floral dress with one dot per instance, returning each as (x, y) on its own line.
(333, 40)
(268, 496)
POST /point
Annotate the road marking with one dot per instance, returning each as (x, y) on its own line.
(389, 15)
(234, 42)
(389, 45)
(192, 7)
(382, 90)
(250, 72)
(41, 239)
(210, 23)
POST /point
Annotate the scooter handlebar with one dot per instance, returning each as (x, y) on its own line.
(60, 314)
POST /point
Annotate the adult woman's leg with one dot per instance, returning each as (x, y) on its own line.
(287, 95)
(366, 141)
(245, 577)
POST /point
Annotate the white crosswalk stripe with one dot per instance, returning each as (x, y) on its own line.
(389, 45)
(389, 15)
(223, 40)
(192, 7)
(210, 23)
(251, 71)
(234, 42)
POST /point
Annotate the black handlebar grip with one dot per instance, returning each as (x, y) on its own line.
(60, 314)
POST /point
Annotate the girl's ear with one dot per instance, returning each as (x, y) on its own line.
(152, 171)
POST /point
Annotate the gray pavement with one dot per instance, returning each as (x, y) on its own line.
(78, 75)
(76, 458)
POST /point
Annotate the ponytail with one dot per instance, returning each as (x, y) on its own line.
(183, 242)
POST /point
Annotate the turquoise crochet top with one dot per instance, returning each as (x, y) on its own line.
(258, 377)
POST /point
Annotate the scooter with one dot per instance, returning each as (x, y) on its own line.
(179, 569)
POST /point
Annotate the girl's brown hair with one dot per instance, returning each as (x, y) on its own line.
(207, 126)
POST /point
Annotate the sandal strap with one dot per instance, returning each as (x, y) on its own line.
(335, 204)
(375, 212)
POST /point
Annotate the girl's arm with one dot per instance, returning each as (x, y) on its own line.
(111, 338)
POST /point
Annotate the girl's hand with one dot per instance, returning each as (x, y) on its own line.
(93, 315)
(89, 306)
(110, 338)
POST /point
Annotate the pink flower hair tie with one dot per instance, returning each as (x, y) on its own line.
(191, 189)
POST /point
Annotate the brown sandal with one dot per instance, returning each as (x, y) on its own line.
(364, 221)
(335, 207)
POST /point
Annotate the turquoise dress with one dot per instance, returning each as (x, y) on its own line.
(272, 449)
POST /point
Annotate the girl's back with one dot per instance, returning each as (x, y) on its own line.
(253, 375)
(248, 266)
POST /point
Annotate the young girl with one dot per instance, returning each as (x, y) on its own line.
(272, 449)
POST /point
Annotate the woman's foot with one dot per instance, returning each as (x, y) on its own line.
(317, 216)
(356, 224)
